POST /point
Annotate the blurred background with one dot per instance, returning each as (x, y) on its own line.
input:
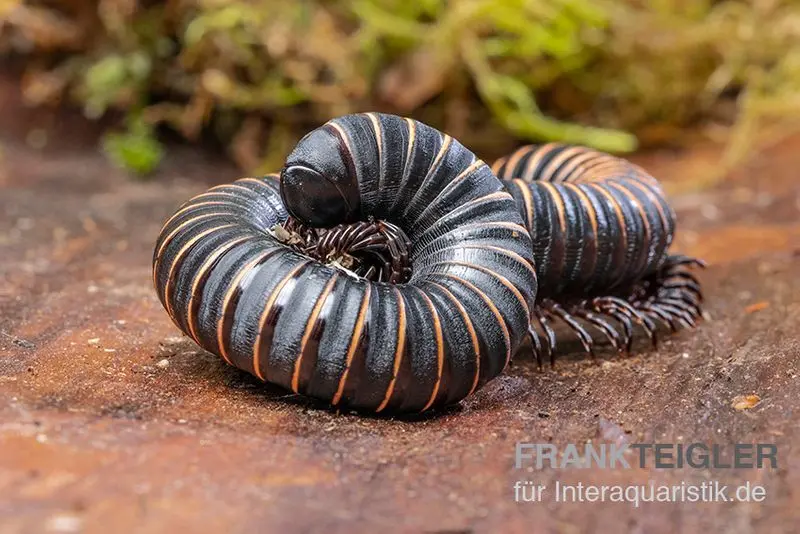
(114, 112)
(252, 76)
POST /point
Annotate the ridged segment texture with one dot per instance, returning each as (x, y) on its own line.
(598, 223)
(240, 293)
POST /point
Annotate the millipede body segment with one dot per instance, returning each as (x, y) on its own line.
(601, 229)
(386, 268)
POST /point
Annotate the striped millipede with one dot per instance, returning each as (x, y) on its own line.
(386, 269)
(601, 229)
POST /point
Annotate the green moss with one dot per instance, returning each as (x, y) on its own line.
(136, 150)
(259, 73)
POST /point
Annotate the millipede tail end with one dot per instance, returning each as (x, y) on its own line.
(671, 297)
(601, 228)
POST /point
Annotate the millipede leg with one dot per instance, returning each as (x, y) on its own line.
(672, 295)
(601, 324)
(377, 251)
(660, 314)
(627, 328)
(691, 287)
(544, 323)
(693, 309)
(680, 259)
(618, 305)
(683, 317)
(536, 344)
(586, 340)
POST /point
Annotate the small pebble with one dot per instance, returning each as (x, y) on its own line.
(163, 363)
(745, 402)
(64, 523)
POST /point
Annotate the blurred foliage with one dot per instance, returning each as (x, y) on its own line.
(136, 150)
(258, 73)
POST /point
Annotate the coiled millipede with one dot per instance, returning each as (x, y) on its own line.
(387, 268)
(601, 229)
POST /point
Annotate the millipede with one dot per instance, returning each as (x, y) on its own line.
(601, 229)
(387, 268)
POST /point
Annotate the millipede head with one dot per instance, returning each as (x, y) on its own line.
(317, 189)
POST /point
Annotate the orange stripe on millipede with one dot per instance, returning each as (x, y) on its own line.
(609, 171)
(510, 171)
(549, 169)
(496, 224)
(490, 196)
(412, 136)
(500, 321)
(399, 351)
(651, 196)
(176, 260)
(641, 175)
(469, 170)
(273, 296)
(502, 279)
(376, 127)
(259, 181)
(474, 201)
(193, 206)
(353, 345)
(515, 228)
(378, 131)
(446, 141)
(527, 200)
(638, 205)
(173, 233)
(497, 165)
(587, 204)
(574, 170)
(437, 327)
(511, 254)
(232, 289)
(531, 164)
(559, 203)
(312, 323)
(584, 171)
(212, 258)
(617, 213)
(472, 334)
(215, 188)
(604, 167)
(233, 185)
(342, 134)
(433, 167)
(566, 173)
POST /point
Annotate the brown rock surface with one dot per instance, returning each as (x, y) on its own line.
(110, 421)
